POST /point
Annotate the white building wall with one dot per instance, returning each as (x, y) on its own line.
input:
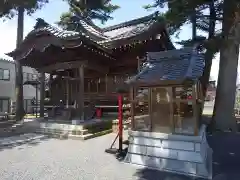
(7, 87)
(28, 90)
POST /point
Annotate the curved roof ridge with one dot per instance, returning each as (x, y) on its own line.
(41, 24)
(131, 22)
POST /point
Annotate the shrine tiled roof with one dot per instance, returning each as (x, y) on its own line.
(102, 36)
(87, 34)
(56, 37)
(129, 29)
(174, 65)
(43, 27)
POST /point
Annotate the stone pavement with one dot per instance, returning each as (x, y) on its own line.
(53, 159)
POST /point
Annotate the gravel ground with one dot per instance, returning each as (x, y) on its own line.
(53, 159)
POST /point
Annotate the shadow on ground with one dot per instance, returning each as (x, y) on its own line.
(38, 139)
(149, 174)
(226, 155)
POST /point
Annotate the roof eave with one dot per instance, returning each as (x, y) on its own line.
(156, 28)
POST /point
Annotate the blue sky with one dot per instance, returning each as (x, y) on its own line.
(130, 9)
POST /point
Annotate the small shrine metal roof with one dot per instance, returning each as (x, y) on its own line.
(173, 65)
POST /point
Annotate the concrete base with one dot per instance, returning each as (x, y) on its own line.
(188, 155)
(77, 122)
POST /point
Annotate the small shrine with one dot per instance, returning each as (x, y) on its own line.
(166, 99)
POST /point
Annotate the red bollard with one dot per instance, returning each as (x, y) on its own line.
(99, 113)
(120, 121)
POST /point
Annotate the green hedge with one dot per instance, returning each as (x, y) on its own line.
(94, 128)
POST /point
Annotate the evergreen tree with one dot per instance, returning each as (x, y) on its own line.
(8, 9)
(88, 10)
(182, 12)
(208, 13)
(227, 76)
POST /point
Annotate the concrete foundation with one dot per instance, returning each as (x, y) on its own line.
(77, 122)
(188, 155)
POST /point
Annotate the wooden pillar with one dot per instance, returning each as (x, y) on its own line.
(50, 85)
(171, 103)
(97, 83)
(195, 109)
(106, 83)
(36, 105)
(150, 108)
(42, 93)
(132, 110)
(89, 86)
(67, 93)
(70, 92)
(81, 92)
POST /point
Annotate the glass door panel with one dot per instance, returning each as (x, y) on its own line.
(184, 121)
(160, 110)
(142, 117)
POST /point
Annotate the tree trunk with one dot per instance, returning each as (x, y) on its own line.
(194, 27)
(18, 67)
(42, 93)
(209, 53)
(226, 87)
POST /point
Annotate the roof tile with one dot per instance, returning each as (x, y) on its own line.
(171, 65)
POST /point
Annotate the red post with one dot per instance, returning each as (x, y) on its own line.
(99, 113)
(120, 120)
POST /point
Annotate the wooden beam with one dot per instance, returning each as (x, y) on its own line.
(62, 66)
(72, 65)
(97, 67)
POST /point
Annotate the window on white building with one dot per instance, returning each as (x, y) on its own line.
(4, 105)
(5, 74)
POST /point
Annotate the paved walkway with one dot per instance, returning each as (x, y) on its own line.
(52, 159)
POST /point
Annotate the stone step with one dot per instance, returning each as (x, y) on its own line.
(80, 132)
(80, 137)
(89, 135)
(51, 131)
(59, 131)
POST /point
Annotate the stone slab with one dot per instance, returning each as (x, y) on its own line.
(156, 135)
(181, 154)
